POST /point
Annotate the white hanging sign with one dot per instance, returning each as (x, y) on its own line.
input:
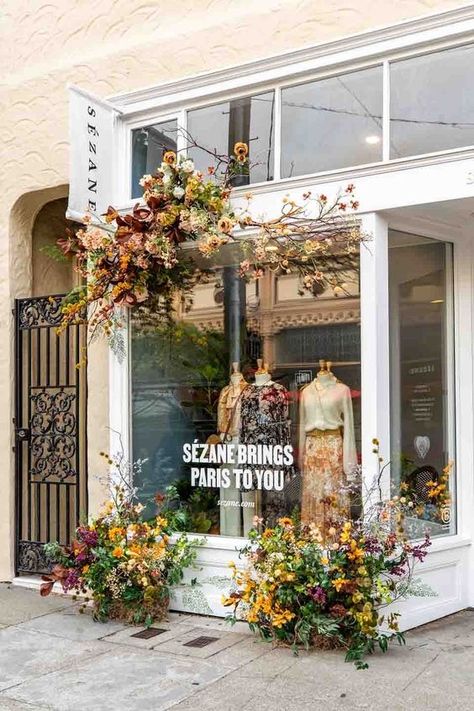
(92, 156)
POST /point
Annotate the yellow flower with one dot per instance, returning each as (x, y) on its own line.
(281, 617)
(117, 552)
(116, 532)
(241, 149)
(85, 569)
(355, 552)
(169, 157)
(339, 583)
(324, 560)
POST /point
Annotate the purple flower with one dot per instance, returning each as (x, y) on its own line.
(318, 595)
(398, 570)
(72, 581)
(90, 538)
(420, 551)
(372, 545)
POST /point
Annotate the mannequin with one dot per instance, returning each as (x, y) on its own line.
(265, 420)
(228, 426)
(228, 408)
(262, 376)
(326, 444)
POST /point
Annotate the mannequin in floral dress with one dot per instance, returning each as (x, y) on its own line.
(326, 445)
(265, 420)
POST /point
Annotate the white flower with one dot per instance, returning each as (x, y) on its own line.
(187, 166)
(146, 179)
(178, 192)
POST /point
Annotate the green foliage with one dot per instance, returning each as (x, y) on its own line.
(54, 252)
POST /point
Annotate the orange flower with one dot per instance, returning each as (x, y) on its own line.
(117, 552)
(225, 225)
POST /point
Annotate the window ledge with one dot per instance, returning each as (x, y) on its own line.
(449, 542)
(227, 543)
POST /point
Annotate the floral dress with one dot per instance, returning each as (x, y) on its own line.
(264, 420)
(264, 415)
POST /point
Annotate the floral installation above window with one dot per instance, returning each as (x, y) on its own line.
(139, 258)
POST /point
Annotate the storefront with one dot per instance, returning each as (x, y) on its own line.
(393, 115)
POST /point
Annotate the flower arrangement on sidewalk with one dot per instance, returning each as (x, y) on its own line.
(328, 585)
(137, 259)
(127, 564)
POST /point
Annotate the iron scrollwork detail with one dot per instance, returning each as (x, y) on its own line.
(32, 558)
(53, 433)
(40, 311)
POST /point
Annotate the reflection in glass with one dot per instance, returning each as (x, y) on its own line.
(148, 145)
(219, 127)
(420, 376)
(231, 370)
(332, 123)
(432, 102)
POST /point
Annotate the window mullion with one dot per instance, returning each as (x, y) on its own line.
(182, 121)
(277, 134)
(386, 112)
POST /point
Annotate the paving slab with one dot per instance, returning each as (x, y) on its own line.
(19, 604)
(126, 636)
(245, 651)
(123, 679)
(447, 630)
(178, 644)
(216, 623)
(25, 655)
(228, 694)
(7, 704)
(75, 626)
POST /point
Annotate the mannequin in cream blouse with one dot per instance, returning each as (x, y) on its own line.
(228, 425)
(326, 444)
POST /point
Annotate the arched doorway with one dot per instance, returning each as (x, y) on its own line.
(50, 403)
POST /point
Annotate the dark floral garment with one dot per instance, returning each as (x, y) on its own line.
(264, 420)
(264, 415)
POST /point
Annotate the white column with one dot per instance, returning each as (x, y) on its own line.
(375, 368)
(120, 395)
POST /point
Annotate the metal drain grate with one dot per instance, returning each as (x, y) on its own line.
(200, 642)
(148, 633)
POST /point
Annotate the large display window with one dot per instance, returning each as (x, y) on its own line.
(422, 378)
(248, 404)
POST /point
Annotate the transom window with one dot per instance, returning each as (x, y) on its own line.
(395, 109)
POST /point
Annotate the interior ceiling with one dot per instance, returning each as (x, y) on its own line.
(451, 213)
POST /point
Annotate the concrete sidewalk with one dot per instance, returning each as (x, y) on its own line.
(53, 657)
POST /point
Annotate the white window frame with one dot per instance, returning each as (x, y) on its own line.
(157, 104)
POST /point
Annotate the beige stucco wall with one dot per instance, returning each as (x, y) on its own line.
(109, 47)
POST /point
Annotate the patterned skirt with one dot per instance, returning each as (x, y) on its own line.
(323, 476)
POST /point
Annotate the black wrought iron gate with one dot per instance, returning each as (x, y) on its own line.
(50, 429)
